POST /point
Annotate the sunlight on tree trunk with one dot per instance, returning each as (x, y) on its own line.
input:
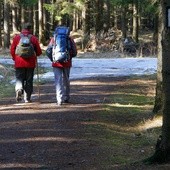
(135, 20)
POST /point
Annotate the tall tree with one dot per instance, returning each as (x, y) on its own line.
(1, 16)
(124, 26)
(46, 22)
(107, 15)
(158, 106)
(6, 24)
(162, 152)
(35, 19)
(86, 22)
(99, 16)
(40, 19)
(86, 18)
(14, 17)
(135, 20)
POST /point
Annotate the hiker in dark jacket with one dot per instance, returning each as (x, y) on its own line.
(62, 73)
(24, 67)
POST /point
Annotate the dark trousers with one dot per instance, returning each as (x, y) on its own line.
(24, 81)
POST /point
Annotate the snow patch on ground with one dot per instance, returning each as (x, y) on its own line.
(89, 67)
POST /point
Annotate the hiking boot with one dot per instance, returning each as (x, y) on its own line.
(18, 95)
(28, 101)
(66, 101)
(27, 97)
(59, 103)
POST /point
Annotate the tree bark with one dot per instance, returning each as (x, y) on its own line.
(1, 25)
(107, 16)
(14, 18)
(86, 23)
(6, 25)
(162, 151)
(35, 18)
(124, 22)
(158, 96)
(40, 15)
(135, 21)
(99, 16)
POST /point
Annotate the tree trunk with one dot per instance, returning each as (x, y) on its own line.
(30, 15)
(46, 24)
(107, 16)
(14, 18)
(75, 21)
(155, 34)
(115, 18)
(1, 25)
(162, 152)
(158, 96)
(22, 14)
(40, 14)
(135, 20)
(124, 22)
(99, 16)
(6, 25)
(35, 18)
(86, 25)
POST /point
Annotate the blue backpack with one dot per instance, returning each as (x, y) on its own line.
(61, 44)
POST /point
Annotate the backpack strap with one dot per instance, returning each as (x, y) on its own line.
(28, 35)
(54, 43)
(21, 35)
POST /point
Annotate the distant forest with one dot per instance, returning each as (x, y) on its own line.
(91, 17)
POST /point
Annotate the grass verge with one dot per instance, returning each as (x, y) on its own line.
(123, 127)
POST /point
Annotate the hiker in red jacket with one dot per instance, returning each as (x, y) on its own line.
(61, 69)
(24, 64)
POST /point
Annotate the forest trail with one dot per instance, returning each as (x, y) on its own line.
(42, 135)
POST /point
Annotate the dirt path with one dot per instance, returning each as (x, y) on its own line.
(42, 135)
(46, 136)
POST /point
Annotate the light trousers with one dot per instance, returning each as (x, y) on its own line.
(62, 83)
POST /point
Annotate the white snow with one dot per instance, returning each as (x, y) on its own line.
(84, 68)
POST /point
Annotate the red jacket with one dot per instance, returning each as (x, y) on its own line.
(69, 62)
(28, 62)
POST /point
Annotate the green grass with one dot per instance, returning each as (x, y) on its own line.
(6, 89)
(133, 99)
(117, 125)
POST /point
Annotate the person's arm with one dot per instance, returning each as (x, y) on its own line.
(37, 47)
(73, 51)
(13, 47)
(49, 49)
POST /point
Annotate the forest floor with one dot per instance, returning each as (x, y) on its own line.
(80, 135)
